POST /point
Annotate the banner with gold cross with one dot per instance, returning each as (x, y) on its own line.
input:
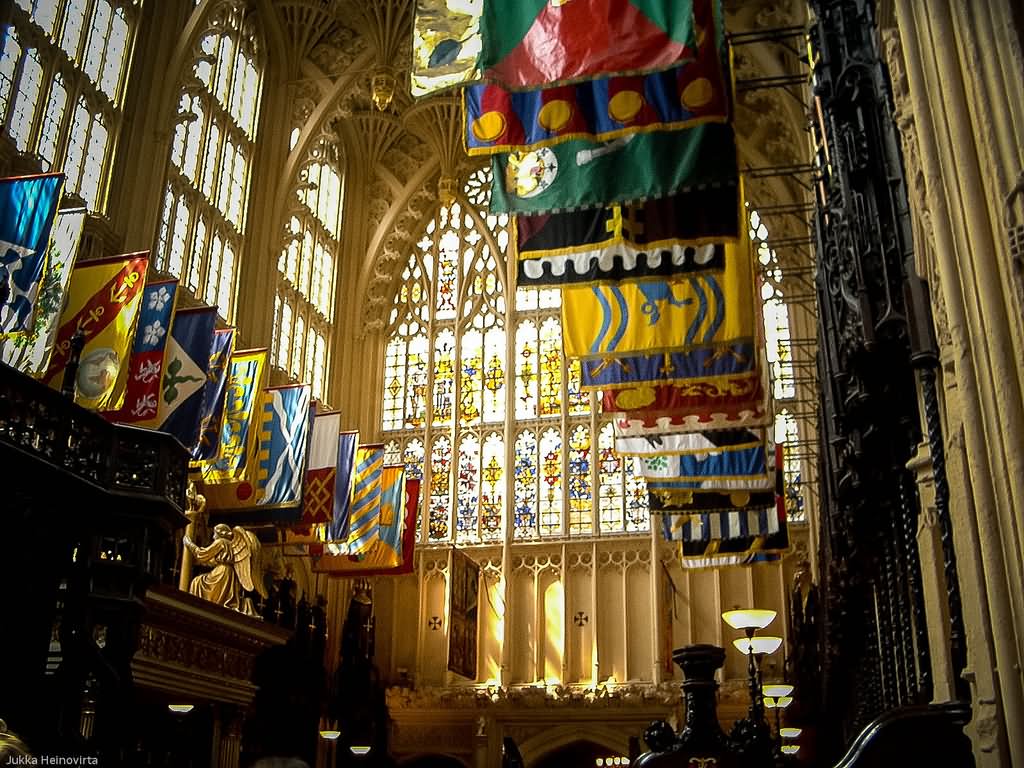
(680, 234)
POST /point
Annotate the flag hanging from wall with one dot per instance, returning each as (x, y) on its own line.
(587, 174)
(536, 42)
(717, 539)
(687, 443)
(692, 311)
(666, 236)
(211, 417)
(721, 465)
(381, 559)
(445, 44)
(321, 468)
(283, 440)
(501, 120)
(678, 500)
(103, 302)
(186, 360)
(463, 613)
(30, 352)
(364, 510)
(28, 205)
(700, 364)
(228, 480)
(341, 499)
(728, 401)
(145, 366)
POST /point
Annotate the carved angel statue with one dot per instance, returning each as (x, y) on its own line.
(234, 554)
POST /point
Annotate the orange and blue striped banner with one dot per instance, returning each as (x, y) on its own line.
(364, 513)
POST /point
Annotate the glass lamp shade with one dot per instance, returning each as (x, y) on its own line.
(791, 749)
(790, 733)
(749, 618)
(777, 689)
(359, 750)
(783, 701)
(769, 702)
(181, 709)
(765, 644)
(331, 735)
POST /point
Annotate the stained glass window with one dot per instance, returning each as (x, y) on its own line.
(306, 269)
(203, 219)
(461, 360)
(62, 74)
(779, 356)
(440, 487)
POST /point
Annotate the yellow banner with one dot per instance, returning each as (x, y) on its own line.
(237, 458)
(679, 313)
(103, 303)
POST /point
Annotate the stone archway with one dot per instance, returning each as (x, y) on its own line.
(545, 748)
(433, 761)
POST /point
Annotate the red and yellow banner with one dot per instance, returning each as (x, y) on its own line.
(103, 303)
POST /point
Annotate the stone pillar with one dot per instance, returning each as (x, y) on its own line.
(933, 579)
(227, 737)
(956, 150)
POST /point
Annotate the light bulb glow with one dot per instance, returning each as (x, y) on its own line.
(749, 618)
(783, 701)
(181, 709)
(330, 734)
(359, 750)
(791, 749)
(769, 702)
(790, 733)
(765, 644)
(777, 689)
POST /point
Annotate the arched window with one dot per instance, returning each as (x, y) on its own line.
(304, 299)
(207, 193)
(62, 76)
(480, 402)
(779, 354)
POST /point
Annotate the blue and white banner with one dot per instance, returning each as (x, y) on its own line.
(33, 357)
(719, 465)
(283, 441)
(347, 444)
(28, 205)
(184, 373)
(211, 419)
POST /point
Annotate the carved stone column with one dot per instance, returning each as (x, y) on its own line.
(227, 737)
(933, 580)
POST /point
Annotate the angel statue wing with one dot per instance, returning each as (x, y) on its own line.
(245, 548)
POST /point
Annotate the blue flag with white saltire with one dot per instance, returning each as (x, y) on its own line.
(28, 205)
(186, 360)
(283, 440)
(347, 443)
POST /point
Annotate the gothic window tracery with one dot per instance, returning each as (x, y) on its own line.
(779, 356)
(62, 76)
(476, 372)
(306, 269)
(202, 223)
